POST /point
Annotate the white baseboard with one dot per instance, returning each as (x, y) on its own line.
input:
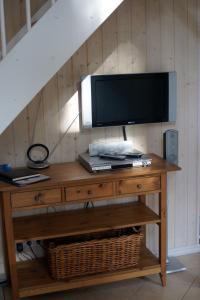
(184, 250)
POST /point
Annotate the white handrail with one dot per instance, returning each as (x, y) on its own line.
(28, 15)
(3, 28)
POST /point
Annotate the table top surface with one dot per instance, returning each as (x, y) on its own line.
(73, 173)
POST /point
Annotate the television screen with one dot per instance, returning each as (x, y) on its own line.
(113, 100)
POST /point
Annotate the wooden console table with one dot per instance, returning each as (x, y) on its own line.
(71, 183)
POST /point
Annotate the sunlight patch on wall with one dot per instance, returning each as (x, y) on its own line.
(69, 112)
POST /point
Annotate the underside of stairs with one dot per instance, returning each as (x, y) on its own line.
(28, 63)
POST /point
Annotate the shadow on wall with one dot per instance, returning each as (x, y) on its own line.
(59, 100)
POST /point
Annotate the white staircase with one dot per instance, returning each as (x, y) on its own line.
(37, 52)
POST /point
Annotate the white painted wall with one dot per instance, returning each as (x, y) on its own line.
(42, 52)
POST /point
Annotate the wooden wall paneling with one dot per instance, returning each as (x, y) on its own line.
(95, 52)
(7, 150)
(168, 64)
(167, 44)
(181, 66)
(95, 66)
(65, 96)
(198, 120)
(36, 125)
(21, 141)
(153, 62)
(51, 118)
(167, 35)
(124, 48)
(82, 136)
(138, 133)
(138, 18)
(14, 17)
(36, 5)
(110, 63)
(191, 122)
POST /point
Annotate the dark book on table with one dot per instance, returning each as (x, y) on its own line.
(18, 174)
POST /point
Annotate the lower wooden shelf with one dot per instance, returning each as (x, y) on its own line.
(35, 280)
(81, 221)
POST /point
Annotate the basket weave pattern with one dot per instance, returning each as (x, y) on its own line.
(94, 256)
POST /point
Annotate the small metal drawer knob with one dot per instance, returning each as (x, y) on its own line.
(38, 197)
(89, 192)
(139, 186)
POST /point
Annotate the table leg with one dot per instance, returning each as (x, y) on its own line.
(10, 244)
(142, 199)
(163, 228)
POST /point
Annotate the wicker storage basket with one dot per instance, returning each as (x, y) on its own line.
(92, 254)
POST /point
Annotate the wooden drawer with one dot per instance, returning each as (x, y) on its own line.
(92, 191)
(138, 185)
(36, 198)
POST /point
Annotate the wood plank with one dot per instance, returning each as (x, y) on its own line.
(73, 174)
(10, 244)
(163, 228)
(51, 117)
(34, 278)
(181, 67)
(82, 221)
(138, 133)
(110, 64)
(91, 191)
(20, 134)
(80, 70)
(134, 185)
(124, 48)
(36, 5)
(192, 124)
(154, 131)
(35, 198)
(36, 125)
(7, 147)
(95, 66)
(168, 64)
(138, 39)
(198, 123)
(67, 111)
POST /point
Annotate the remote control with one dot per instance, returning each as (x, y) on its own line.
(134, 154)
(112, 156)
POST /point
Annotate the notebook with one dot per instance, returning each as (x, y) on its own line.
(18, 174)
(30, 180)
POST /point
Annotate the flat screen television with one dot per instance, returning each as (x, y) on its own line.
(124, 99)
